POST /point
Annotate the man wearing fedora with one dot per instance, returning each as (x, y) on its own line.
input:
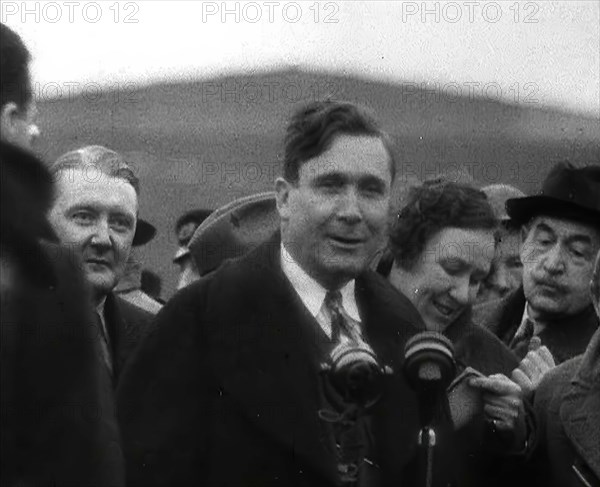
(94, 214)
(561, 237)
(228, 388)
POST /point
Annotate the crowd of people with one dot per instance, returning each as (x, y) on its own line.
(280, 359)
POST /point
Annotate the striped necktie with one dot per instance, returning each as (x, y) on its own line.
(339, 325)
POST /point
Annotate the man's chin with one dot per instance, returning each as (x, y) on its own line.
(101, 283)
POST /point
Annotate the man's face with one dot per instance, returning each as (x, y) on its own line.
(97, 218)
(27, 131)
(446, 277)
(19, 124)
(334, 218)
(558, 258)
(507, 270)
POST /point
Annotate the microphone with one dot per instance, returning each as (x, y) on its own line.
(354, 376)
(429, 367)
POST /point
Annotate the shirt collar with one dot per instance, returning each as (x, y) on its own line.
(311, 292)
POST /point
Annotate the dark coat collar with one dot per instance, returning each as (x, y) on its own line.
(271, 370)
(580, 407)
(566, 337)
(126, 325)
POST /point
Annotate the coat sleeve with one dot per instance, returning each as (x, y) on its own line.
(163, 397)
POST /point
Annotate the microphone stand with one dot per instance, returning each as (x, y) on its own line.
(429, 367)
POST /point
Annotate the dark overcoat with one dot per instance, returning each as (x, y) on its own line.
(127, 325)
(567, 404)
(565, 338)
(224, 392)
(57, 414)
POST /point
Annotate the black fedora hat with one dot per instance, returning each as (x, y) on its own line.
(144, 232)
(568, 192)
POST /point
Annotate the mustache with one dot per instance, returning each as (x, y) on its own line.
(550, 283)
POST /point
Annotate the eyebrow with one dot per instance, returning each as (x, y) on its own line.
(575, 238)
(361, 178)
(463, 264)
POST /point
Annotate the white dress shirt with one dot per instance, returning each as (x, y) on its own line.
(313, 294)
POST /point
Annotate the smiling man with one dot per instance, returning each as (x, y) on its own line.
(94, 215)
(228, 390)
(561, 237)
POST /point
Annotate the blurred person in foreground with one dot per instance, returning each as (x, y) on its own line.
(567, 405)
(129, 286)
(506, 274)
(442, 245)
(561, 237)
(228, 389)
(185, 227)
(57, 416)
(94, 213)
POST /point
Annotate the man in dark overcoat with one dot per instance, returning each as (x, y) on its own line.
(561, 236)
(227, 391)
(94, 213)
(567, 405)
(57, 415)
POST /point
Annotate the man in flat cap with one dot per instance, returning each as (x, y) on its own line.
(228, 390)
(561, 237)
(94, 213)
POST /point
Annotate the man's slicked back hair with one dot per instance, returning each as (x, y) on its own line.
(313, 128)
(94, 159)
(15, 85)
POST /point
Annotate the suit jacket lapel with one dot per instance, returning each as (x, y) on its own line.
(118, 332)
(273, 372)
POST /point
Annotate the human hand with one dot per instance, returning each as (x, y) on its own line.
(503, 405)
(533, 367)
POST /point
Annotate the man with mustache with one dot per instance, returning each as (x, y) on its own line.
(229, 388)
(94, 214)
(561, 237)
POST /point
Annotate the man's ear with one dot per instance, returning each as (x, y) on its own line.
(282, 190)
(8, 117)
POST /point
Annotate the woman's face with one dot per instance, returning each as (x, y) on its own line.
(445, 278)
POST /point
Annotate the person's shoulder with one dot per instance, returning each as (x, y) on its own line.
(132, 312)
(555, 380)
(491, 314)
(378, 291)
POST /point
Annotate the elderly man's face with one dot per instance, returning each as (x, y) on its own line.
(333, 219)
(558, 260)
(96, 216)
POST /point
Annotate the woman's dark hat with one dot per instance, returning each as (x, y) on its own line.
(568, 192)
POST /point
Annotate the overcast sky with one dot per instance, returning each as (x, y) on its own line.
(548, 51)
